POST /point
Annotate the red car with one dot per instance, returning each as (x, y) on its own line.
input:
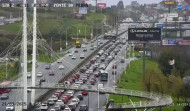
(78, 75)
(58, 95)
(92, 61)
(84, 93)
(68, 96)
(58, 92)
(96, 74)
(74, 76)
(71, 82)
(114, 66)
(92, 82)
(51, 73)
(65, 98)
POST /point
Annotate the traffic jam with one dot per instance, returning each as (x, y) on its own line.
(91, 74)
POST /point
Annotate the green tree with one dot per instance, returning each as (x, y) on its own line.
(175, 83)
(154, 80)
(164, 58)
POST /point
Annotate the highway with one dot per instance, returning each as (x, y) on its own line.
(17, 94)
(68, 63)
(93, 100)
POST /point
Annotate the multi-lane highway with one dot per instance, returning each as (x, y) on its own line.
(68, 63)
(93, 100)
(16, 95)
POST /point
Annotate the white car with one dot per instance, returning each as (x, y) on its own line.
(61, 67)
(51, 102)
(59, 61)
(76, 86)
(71, 93)
(60, 103)
(10, 107)
(82, 56)
(95, 46)
(75, 100)
(39, 74)
(73, 57)
(80, 82)
(67, 109)
(83, 46)
(54, 98)
(70, 54)
(101, 86)
(44, 107)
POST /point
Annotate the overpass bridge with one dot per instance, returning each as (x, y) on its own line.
(153, 99)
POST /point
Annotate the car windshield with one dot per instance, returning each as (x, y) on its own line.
(83, 107)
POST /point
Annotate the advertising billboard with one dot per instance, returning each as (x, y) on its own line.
(159, 25)
(183, 42)
(101, 5)
(171, 42)
(82, 10)
(141, 35)
(169, 2)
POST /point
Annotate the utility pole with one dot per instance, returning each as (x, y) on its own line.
(6, 68)
(96, 7)
(85, 34)
(34, 55)
(66, 38)
(117, 25)
(144, 44)
(77, 32)
(51, 48)
(24, 40)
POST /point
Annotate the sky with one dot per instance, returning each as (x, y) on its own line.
(126, 2)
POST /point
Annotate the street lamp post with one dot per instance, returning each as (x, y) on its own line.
(77, 32)
(85, 34)
(51, 48)
(66, 38)
(98, 95)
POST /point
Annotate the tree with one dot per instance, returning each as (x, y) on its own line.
(164, 58)
(154, 80)
(175, 83)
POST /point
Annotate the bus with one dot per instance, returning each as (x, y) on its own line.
(103, 75)
(78, 44)
(4, 84)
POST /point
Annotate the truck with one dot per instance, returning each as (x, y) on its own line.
(78, 44)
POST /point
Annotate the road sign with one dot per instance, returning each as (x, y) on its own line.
(143, 35)
(82, 10)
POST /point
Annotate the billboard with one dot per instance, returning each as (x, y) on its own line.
(169, 2)
(171, 42)
(172, 15)
(82, 10)
(159, 25)
(141, 35)
(183, 42)
(101, 5)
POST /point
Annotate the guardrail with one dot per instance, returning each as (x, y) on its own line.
(153, 99)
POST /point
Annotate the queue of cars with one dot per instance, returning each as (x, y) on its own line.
(88, 75)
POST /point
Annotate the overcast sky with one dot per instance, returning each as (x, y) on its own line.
(126, 2)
